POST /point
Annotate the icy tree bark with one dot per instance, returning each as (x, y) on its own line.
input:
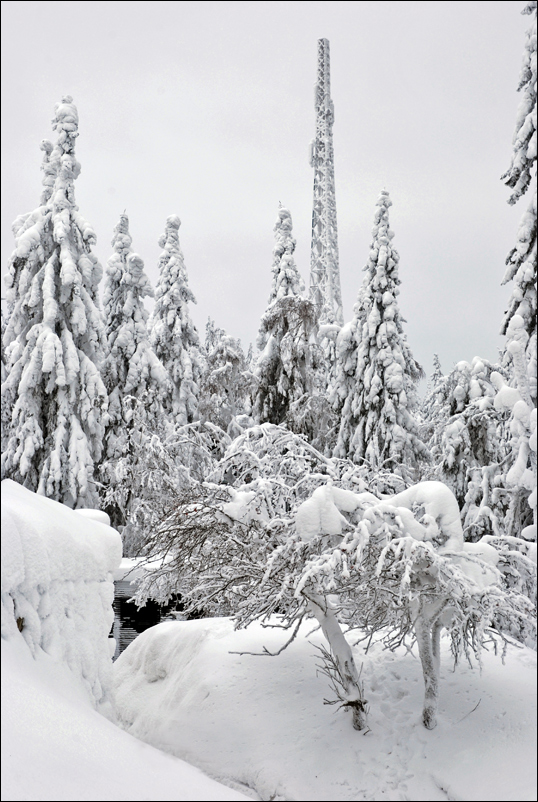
(343, 657)
(430, 670)
(436, 644)
(428, 626)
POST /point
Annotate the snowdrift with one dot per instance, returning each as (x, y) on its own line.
(57, 569)
(57, 585)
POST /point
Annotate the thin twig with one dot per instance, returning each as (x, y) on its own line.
(470, 711)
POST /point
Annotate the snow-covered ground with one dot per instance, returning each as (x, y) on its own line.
(55, 746)
(261, 720)
(256, 723)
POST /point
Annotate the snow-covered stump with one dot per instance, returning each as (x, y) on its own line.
(348, 676)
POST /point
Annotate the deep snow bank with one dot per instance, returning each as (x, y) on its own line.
(57, 584)
(57, 748)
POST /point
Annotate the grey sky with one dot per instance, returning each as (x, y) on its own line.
(206, 110)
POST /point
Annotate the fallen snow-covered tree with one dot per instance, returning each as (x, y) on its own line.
(395, 568)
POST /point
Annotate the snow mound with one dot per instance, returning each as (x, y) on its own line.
(57, 584)
(58, 748)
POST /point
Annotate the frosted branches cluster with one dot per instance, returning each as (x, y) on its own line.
(395, 568)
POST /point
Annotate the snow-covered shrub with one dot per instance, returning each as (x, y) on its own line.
(161, 461)
(396, 566)
(57, 585)
(408, 589)
(276, 457)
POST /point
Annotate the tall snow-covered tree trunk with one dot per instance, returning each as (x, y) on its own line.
(428, 649)
(54, 337)
(286, 340)
(376, 374)
(173, 335)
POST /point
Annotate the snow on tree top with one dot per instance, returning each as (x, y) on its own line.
(173, 221)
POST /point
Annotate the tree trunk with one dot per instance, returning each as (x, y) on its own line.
(428, 649)
(436, 645)
(343, 657)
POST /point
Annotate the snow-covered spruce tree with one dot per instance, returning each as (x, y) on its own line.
(521, 260)
(173, 335)
(287, 339)
(519, 324)
(376, 375)
(6, 398)
(520, 476)
(468, 443)
(519, 174)
(21, 271)
(133, 377)
(2, 354)
(54, 337)
(435, 381)
(227, 383)
(433, 411)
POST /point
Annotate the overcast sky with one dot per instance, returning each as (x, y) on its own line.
(206, 110)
